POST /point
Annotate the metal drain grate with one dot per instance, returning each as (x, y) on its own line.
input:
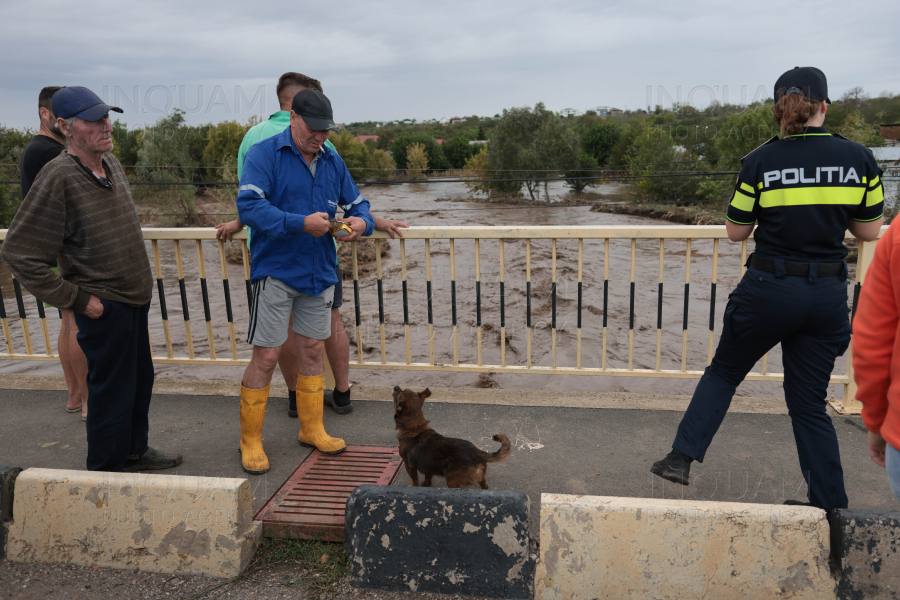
(311, 503)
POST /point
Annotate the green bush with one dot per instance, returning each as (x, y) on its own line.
(381, 165)
(416, 161)
(600, 138)
(587, 167)
(12, 144)
(854, 127)
(618, 154)
(436, 158)
(164, 155)
(355, 155)
(125, 145)
(223, 142)
(741, 133)
(668, 172)
(527, 141)
(458, 150)
(476, 169)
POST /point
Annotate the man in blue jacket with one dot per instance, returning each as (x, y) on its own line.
(291, 187)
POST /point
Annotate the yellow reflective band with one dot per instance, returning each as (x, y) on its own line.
(747, 189)
(874, 197)
(759, 185)
(875, 181)
(809, 196)
(869, 220)
(742, 202)
(738, 222)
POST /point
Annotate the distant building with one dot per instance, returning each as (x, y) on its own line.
(602, 111)
(440, 141)
(890, 134)
(478, 142)
(362, 139)
(445, 120)
(568, 112)
(616, 112)
(455, 120)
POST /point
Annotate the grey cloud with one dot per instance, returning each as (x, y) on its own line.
(384, 61)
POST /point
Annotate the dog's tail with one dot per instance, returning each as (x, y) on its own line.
(501, 454)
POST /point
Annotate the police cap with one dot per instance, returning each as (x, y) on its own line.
(808, 80)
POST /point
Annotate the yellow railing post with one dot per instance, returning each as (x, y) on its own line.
(478, 299)
(848, 404)
(580, 268)
(659, 305)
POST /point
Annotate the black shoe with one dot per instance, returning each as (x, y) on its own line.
(676, 467)
(797, 503)
(152, 460)
(338, 401)
(292, 405)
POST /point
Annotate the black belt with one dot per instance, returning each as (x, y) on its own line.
(800, 269)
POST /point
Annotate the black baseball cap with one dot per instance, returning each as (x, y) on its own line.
(74, 101)
(807, 80)
(315, 109)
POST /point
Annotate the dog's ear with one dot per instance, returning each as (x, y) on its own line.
(426, 393)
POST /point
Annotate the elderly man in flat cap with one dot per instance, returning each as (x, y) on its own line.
(79, 214)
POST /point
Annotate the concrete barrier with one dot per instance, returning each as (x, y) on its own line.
(7, 485)
(603, 547)
(160, 523)
(469, 542)
(865, 547)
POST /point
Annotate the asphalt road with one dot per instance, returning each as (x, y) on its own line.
(558, 450)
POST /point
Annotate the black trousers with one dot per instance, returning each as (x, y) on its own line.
(120, 383)
(809, 317)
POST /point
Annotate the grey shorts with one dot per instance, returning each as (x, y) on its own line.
(273, 304)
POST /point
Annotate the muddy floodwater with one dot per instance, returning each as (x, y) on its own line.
(421, 204)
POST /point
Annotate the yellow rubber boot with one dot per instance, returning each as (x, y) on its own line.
(310, 400)
(253, 413)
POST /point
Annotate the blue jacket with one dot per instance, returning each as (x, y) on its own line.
(277, 193)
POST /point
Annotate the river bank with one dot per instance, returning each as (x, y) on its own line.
(712, 213)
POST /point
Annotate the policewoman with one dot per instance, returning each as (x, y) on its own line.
(802, 192)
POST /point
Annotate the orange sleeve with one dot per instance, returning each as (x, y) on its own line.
(874, 330)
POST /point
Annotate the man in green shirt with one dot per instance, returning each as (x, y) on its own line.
(337, 347)
(288, 85)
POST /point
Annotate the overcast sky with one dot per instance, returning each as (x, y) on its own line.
(383, 61)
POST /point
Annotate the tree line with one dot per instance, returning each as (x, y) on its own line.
(675, 154)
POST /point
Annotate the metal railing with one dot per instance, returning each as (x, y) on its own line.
(166, 245)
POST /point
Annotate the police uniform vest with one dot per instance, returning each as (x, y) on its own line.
(803, 190)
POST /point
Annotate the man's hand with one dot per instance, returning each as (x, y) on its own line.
(389, 226)
(877, 447)
(358, 226)
(94, 308)
(224, 231)
(317, 224)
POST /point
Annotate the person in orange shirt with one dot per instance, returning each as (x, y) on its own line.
(876, 355)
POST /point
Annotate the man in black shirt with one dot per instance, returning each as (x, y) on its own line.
(44, 147)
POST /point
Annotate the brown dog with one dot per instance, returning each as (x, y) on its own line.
(423, 449)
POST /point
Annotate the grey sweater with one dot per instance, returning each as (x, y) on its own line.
(92, 232)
